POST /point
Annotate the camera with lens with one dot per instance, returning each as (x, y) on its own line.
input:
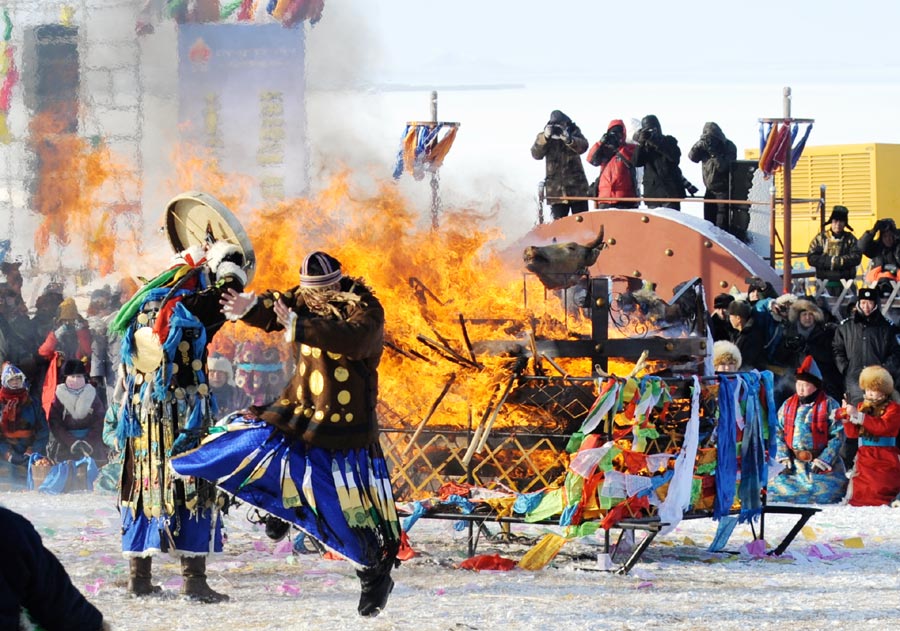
(611, 139)
(556, 131)
(647, 134)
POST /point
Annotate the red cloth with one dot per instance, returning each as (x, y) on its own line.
(488, 562)
(877, 479)
(51, 380)
(631, 507)
(406, 552)
(452, 488)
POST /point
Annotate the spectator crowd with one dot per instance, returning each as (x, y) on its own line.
(60, 388)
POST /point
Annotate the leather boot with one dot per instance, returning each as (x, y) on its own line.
(195, 587)
(139, 572)
(375, 587)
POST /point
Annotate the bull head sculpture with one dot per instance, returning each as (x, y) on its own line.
(562, 265)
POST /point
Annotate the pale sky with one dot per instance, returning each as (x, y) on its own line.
(596, 41)
(688, 62)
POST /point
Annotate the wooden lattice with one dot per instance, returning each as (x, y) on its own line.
(525, 450)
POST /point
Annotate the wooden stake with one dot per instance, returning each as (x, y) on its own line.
(431, 412)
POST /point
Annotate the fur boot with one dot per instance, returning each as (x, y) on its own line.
(139, 573)
(195, 587)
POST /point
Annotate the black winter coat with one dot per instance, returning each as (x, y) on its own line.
(717, 154)
(660, 157)
(751, 341)
(876, 250)
(862, 341)
(794, 347)
(31, 577)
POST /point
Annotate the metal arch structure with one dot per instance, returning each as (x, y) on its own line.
(661, 246)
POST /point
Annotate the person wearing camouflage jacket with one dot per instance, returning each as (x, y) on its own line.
(834, 252)
(561, 144)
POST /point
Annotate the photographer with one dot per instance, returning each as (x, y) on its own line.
(717, 154)
(660, 156)
(561, 143)
(615, 156)
(884, 252)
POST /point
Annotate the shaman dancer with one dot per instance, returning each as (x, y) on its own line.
(166, 409)
(321, 467)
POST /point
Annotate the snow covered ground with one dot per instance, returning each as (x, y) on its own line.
(842, 572)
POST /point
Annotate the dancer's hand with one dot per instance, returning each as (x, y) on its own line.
(286, 317)
(236, 305)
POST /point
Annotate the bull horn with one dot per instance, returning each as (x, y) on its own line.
(598, 242)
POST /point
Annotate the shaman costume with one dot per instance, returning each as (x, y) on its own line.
(312, 458)
(166, 409)
(809, 437)
(875, 477)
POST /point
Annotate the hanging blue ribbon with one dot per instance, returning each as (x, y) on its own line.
(753, 455)
(726, 450)
(764, 130)
(797, 151)
(398, 168)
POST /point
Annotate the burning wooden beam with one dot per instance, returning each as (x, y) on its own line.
(431, 412)
(447, 352)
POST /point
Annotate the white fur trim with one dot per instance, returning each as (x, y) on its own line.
(227, 268)
(78, 405)
(218, 251)
(290, 331)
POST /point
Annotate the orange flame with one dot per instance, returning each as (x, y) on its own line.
(71, 176)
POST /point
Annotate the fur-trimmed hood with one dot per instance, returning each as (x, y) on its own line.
(780, 307)
(802, 304)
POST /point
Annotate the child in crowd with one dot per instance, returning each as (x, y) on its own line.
(809, 441)
(76, 417)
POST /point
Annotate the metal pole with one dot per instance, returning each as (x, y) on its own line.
(786, 277)
(772, 228)
(435, 183)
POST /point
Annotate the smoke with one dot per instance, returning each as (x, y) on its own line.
(341, 52)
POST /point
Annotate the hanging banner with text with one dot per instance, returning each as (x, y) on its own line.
(241, 95)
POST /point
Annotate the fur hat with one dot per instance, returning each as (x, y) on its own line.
(725, 352)
(868, 293)
(221, 364)
(809, 371)
(68, 310)
(320, 270)
(802, 305)
(74, 367)
(876, 378)
(841, 214)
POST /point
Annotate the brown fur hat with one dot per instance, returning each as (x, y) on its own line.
(876, 378)
(802, 304)
(725, 352)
